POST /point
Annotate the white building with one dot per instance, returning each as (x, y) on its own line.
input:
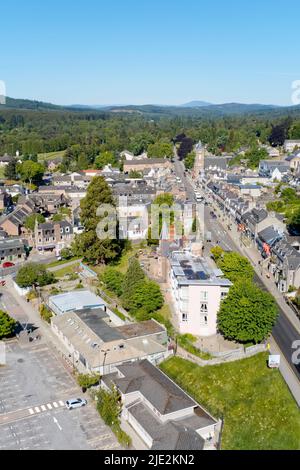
(291, 145)
(75, 300)
(133, 221)
(197, 291)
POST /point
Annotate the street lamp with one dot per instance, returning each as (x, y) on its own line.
(105, 352)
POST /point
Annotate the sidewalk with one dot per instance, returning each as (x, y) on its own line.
(287, 373)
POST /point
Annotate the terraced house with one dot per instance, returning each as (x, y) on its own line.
(50, 236)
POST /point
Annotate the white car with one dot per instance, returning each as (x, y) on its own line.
(75, 403)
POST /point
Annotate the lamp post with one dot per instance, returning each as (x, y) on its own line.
(105, 352)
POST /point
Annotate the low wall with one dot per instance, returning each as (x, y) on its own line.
(21, 290)
(230, 357)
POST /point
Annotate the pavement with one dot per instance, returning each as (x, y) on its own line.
(34, 385)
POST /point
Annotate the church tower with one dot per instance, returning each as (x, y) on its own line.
(199, 160)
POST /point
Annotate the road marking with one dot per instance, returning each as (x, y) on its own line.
(31, 412)
(49, 406)
(61, 403)
(57, 424)
(55, 404)
(37, 410)
(43, 408)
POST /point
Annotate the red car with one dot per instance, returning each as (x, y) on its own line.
(8, 264)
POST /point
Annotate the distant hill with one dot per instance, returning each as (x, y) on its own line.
(151, 111)
(195, 104)
(12, 103)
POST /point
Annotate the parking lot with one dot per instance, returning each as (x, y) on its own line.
(34, 385)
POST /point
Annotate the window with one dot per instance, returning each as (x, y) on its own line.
(203, 307)
(204, 295)
(223, 295)
(184, 317)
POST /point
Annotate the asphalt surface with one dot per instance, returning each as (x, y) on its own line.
(34, 385)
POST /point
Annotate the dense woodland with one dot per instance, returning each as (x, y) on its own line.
(87, 134)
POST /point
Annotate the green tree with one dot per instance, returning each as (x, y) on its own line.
(30, 171)
(254, 156)
(66, 253)
(134, 174)
(145, 299)
(31, 220)
(88, 244)
(86, 381)
(109, 407)
(217, 252)
(189, 161)
(133, 276)
(105, 158)
(10, 172)
(161, 149)
(248, 314)
(235, 266)
(7, 325)
(34, 274)
(113, 280)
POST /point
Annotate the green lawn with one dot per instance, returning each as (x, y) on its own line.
(66, 270)
(259, 411)
(63, 261)
(49, 156)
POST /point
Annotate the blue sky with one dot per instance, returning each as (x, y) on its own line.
(150, 51)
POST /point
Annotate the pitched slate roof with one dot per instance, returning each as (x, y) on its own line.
(154, 385)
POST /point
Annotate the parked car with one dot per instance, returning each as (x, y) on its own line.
(7, 264)
(75, 403)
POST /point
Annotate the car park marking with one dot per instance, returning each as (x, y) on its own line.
(12, 416)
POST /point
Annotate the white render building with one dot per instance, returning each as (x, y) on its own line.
(197, 290)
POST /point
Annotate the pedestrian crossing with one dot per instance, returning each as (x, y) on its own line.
(46, 407)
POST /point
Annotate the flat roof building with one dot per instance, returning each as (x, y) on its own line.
(75, 300)
(96, 342)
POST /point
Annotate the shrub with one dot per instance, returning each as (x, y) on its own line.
(86, 381)
(45, 313)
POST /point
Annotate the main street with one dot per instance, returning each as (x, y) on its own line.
(286, 330)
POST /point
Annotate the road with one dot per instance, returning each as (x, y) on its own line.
(284, 332)
(35, 258)
(180, 171)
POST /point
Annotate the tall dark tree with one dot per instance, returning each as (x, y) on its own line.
(88, 244)
(133, 276)
(280, 133)
(185, 148)
(10, 170)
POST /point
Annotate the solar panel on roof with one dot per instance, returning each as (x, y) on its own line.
(201, 275)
